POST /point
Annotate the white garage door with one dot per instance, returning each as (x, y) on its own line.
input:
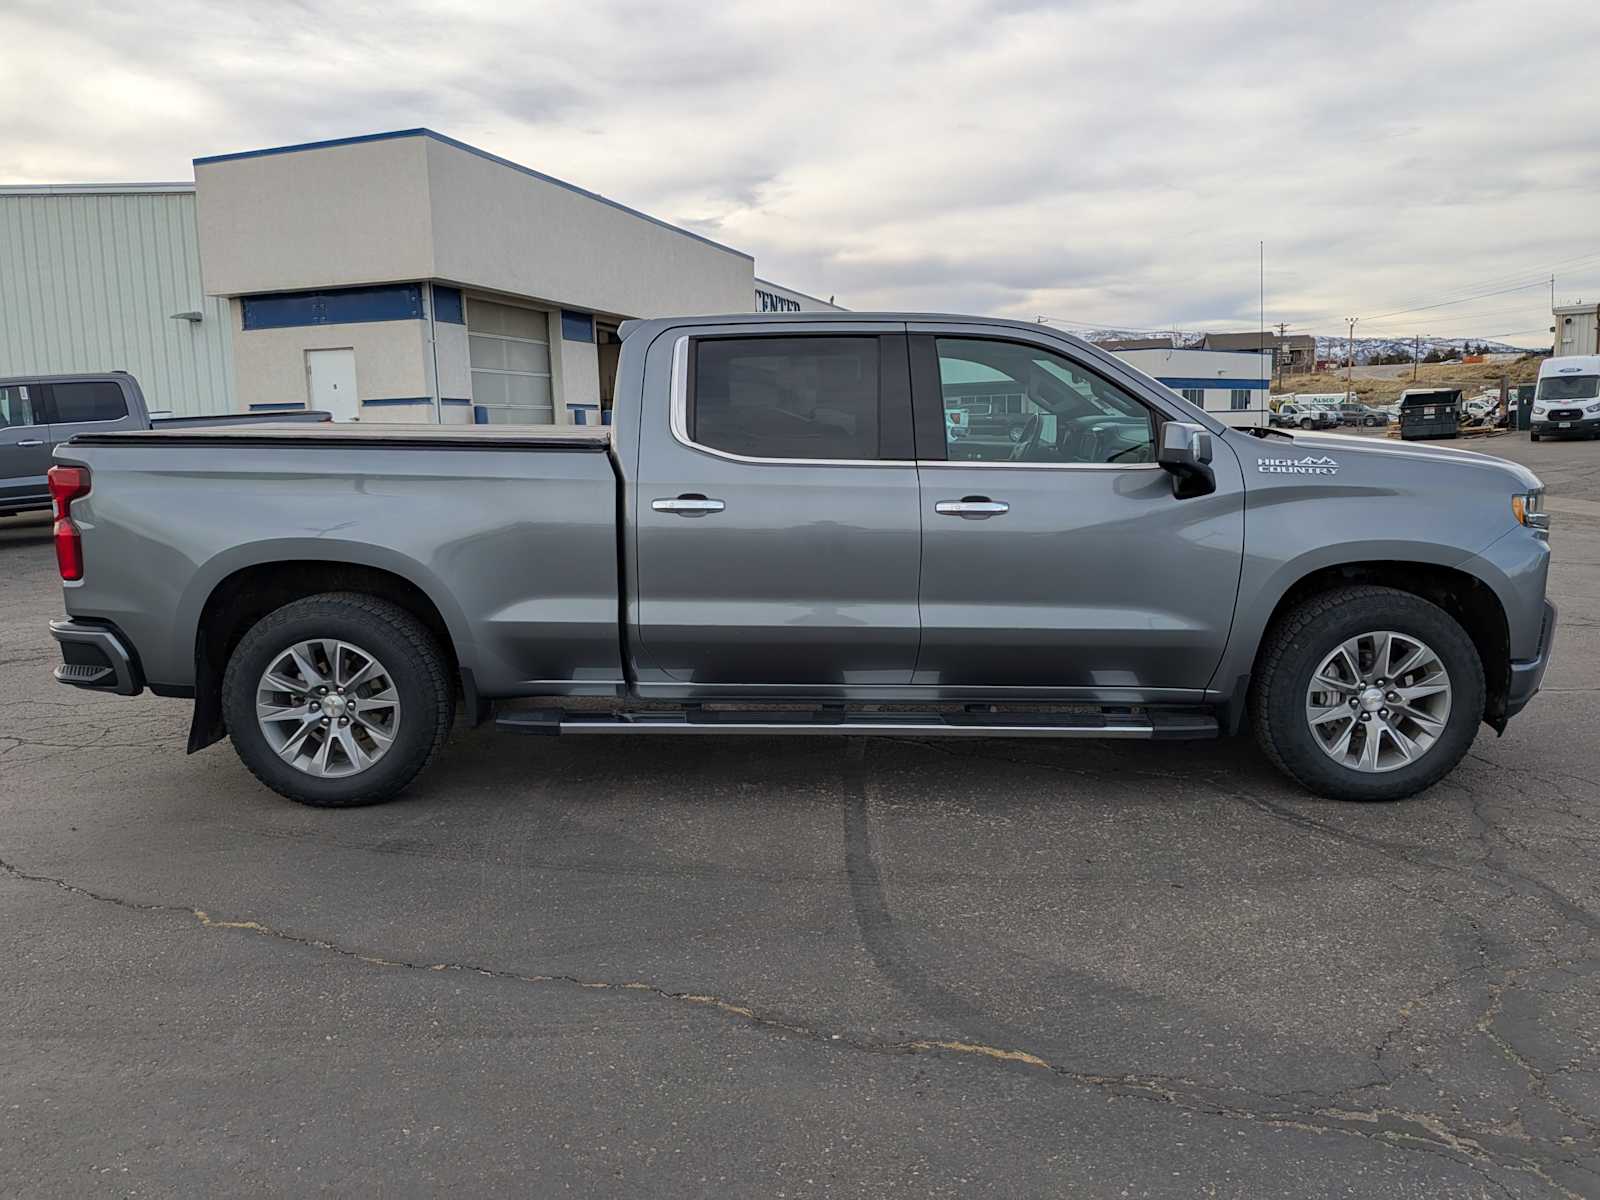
(509, 349)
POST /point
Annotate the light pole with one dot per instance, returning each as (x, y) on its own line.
(1350, 357)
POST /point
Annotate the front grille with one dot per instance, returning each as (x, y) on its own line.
(1566, 414)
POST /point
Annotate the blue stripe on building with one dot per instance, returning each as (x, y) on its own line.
(276, 407)
(390, 401)
(1178, 384)
(576, 326)
(333, 306)
(447, 305)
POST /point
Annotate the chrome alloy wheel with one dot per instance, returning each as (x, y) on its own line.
(1379, 701)
(327, 708)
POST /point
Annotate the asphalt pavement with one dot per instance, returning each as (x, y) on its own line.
(798, 967)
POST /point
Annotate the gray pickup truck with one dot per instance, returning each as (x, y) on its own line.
(779, 534)
(39, 412)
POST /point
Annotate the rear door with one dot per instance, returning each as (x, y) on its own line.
(24, 446)
(775, 510)
(1055, 555)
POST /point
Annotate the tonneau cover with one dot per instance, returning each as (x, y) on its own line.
(393, 436)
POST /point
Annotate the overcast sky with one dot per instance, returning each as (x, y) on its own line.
(1111, 164)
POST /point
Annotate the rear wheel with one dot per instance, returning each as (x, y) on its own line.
(1367, 693)
(338, 699)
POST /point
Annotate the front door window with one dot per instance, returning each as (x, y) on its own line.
(1009, 402)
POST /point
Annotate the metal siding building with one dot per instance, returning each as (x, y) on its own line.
(93, 277)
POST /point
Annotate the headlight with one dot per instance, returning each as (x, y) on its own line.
(1529, 509)
(1593, 408)
(1539, 410)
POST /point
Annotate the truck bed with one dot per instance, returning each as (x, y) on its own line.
(352, 436)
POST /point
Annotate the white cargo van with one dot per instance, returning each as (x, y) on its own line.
(1568, 398)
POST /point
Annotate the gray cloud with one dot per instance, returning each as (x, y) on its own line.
(1105, 162)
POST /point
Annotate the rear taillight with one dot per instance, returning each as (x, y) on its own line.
(66, 485)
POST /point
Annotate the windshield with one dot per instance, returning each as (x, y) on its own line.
(1569, 387)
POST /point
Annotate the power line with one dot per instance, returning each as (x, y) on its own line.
(1400, 312)
(1528, 273)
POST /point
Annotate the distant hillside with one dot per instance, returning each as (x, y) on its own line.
(1368, 348)
(1330, 348)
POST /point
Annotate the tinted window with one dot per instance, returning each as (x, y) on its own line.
(18, 407)
(88, 402)
(1007, 402)
(799, 397)
(1569, 387)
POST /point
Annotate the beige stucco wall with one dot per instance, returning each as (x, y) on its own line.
(315, 218)
(498, 228)
(415, 207)
(391, 362)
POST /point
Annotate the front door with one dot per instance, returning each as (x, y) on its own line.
(1055, 554)
(776, 526)
(332, 382)
(24, 445)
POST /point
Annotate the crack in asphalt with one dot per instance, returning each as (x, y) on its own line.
(1479, 1149)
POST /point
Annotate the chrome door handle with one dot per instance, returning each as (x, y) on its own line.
(32, 442)
(972, 509)
(688, 506)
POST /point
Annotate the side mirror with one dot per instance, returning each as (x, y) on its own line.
(1185, 454)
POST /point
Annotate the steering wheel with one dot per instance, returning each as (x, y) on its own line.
(1028, 439)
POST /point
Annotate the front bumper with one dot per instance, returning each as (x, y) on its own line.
(1584, 424)
(96, 657)
(1526, 676)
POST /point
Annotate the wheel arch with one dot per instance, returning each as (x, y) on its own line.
(237, 598)
(1471, 600)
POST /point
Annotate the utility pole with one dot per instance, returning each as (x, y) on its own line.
(1350, 358)
(1416, 354)
(1282, 326)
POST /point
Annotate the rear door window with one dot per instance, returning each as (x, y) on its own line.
(96, 400)
(786, 397)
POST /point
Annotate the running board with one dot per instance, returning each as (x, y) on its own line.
(1157, 726)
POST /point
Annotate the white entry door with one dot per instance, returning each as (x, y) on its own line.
(332, 376)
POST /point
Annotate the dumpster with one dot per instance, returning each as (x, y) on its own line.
(1429, 413)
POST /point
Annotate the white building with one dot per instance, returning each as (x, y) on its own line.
(1576, 329)
(1232, 386)
(399, 276)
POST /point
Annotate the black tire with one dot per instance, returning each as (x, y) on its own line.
(1295, 647)
(1305, 423)
(1533, 437)
(414, 660)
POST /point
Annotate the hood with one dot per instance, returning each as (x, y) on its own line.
(1401, 452)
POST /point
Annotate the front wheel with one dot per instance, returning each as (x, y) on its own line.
(1305, 423)
(1367, 693)
(1533, 437)
(338, 699)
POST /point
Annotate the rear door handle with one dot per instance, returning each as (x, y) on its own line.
(973, 508)
(32, 442)
(688, 506)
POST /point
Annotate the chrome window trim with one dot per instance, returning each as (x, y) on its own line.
(1026, 466)
(678, 418)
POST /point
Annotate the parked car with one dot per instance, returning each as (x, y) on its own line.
(778, 535)
(1568, 400)
(1293, 414)
(39, 411)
